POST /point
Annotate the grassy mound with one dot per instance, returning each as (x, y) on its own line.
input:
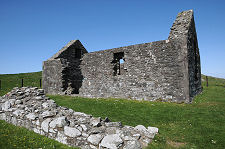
(196, 125)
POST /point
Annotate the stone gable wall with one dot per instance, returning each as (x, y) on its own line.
(61, 73)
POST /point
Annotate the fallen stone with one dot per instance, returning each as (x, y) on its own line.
(80, 114)
(145, 131)
(95, 139)
(48, 114)
(45, 105)
(44, 124)
(137, 136)
(84, 127)
(113, 124)
(36, 130)
(140, 128)
(61, 137)
(111, 141)
(132, 145)
(18, 112)
(93, 147)
(6, 106)
(18, 102)
(71, 132)
(38, 98)
(129, 138)
(31, 116)
(59, 122)
(153, 130)
(96, 122)
(96, 130)
(12, 101)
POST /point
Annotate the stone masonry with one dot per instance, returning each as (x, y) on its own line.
(168, 70)
(30, 108)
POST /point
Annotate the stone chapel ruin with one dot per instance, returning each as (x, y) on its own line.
(168, 69)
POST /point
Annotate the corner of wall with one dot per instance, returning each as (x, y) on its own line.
(179, 34)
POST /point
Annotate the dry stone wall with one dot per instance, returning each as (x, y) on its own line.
(30, 108)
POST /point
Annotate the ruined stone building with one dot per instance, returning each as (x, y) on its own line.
(167, 70)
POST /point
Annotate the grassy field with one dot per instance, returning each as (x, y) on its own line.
(197, 125)
(8, 81)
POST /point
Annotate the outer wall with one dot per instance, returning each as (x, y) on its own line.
(151, 71)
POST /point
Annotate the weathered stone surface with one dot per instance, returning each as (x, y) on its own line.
(43, 116)
(18, 102)
(48, 104)
(38, 98)
(59, 122)
(150, 132)
(71, 132)
(31, 116)
(112, 141)
(36, 130)
(96, 122)
(168, 70)
(45, 123)
(84, 127)
(61, 138)
(18, 112)
(140, 128)
(5, 106)
(153, 130)
(12, 101)
(113, 124)
(95, 139)
(96, 130)
(48, 114)
(132, 145)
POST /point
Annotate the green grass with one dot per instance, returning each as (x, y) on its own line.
(8, 81)
(197, 125)
(18, 137)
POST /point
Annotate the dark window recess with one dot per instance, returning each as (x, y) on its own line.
(118, 61)
(78, 53)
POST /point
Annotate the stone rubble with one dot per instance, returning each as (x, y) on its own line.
(30, 108)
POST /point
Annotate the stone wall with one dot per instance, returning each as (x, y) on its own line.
(61, 73)
(167, 70)
(150, 71)
(183, 31)
(30, 108)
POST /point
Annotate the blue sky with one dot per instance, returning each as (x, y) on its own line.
(31, 31)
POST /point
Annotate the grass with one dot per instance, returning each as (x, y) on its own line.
(185, 126)
(8, 81)
(18, 137)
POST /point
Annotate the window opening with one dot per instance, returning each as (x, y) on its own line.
(118, 63)
(121, 61)
(78, 53)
